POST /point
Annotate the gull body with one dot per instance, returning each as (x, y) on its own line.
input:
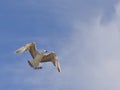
(39, 57)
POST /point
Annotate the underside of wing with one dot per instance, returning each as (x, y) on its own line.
(20, 50)
(28, 47)
(51, 57)
(33, 51)
(57, 64)
(48, 57)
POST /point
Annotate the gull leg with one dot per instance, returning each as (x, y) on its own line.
(40, 67)
(37, 68)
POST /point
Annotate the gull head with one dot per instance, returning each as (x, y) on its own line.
(43, 51)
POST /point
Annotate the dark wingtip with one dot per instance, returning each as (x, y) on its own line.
(30, 63)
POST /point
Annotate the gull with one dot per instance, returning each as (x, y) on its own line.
(39, 57)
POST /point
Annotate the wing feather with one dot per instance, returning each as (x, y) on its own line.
(51, 57)
(33, 51)
(29, 47)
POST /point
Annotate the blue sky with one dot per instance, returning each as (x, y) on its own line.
(84, 34)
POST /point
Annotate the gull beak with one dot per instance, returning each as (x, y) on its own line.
(46, 51)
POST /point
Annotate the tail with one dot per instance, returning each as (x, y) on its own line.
(31, 64)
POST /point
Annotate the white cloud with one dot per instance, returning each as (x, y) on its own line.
(93, 55)
(89, 61)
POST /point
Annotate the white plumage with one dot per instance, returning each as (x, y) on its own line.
(39, 57)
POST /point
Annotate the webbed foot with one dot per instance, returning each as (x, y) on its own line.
(38, 67)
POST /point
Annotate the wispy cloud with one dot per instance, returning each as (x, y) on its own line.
(92, 57)
(90, 60)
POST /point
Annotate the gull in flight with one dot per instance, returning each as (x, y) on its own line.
(39, 57)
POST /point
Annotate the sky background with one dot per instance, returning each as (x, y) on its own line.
(85, 34)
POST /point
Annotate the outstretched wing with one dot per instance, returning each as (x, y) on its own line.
(51, 57)
(28, 47)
